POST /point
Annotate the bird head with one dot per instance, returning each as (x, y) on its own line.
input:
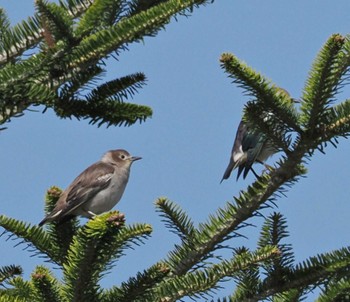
(120, 157)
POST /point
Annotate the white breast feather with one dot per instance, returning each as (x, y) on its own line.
(106, 199)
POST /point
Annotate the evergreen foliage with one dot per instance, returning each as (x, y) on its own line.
(70, 42)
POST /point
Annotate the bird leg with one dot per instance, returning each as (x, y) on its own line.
(267, 167)
(255, 174)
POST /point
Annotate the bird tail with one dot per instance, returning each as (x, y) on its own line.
(54, 215)
(228, 170)
(58, 221)
(42, 222)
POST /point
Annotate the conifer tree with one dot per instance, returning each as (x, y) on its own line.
(71, 39)
(68, 44)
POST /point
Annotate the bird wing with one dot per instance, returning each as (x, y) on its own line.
(252, 144)
(91, 181)
(237, 152)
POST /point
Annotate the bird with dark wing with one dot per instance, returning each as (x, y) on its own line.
(249, 147)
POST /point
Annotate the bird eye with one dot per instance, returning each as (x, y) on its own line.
(122, 156)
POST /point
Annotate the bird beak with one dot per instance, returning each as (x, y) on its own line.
(135, 158)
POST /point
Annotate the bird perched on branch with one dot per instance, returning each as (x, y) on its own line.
(96, 190)
(249, 147)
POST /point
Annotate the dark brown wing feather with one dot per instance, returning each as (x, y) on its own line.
(94, 179)
(91, 181)
(241, 132)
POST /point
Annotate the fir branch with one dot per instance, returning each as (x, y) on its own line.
(82, 269)
(273, 99)
(4, 29)
(56, 23)
(311, 273)
(101, 14)
(20, 38)
(45, 286)
(51, 198)
(32, 236)
(335, 124)
(9, 271)
(336, 291)
(6, 297)
(121, 88)
(293, 295)
(61, 234)
(273, 232)
(9, 111)
(23, 70)
(21, 86)
(21, 291)
(4, 23)
(138, 288)
(175, 219)
(323, 82)
(28, 34)
(248, 281)
(79, 82)
(338, 121)
(39, 79)
(198, 283)
(137, 6)
(133, 29)
(269, 125)
(76, 7)
(109, 111)
(220, 227)
(93, 250)
(104, 104)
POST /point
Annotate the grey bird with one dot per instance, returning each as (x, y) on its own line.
(249, 147)
(96, 190)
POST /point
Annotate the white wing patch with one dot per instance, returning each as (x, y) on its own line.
(238, 156)
(56, 214)
(105, 177)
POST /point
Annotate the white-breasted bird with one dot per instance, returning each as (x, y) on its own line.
(251, 146)
(96, 190)
(248, 147)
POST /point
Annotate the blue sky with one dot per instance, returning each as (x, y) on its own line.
(186, 144)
